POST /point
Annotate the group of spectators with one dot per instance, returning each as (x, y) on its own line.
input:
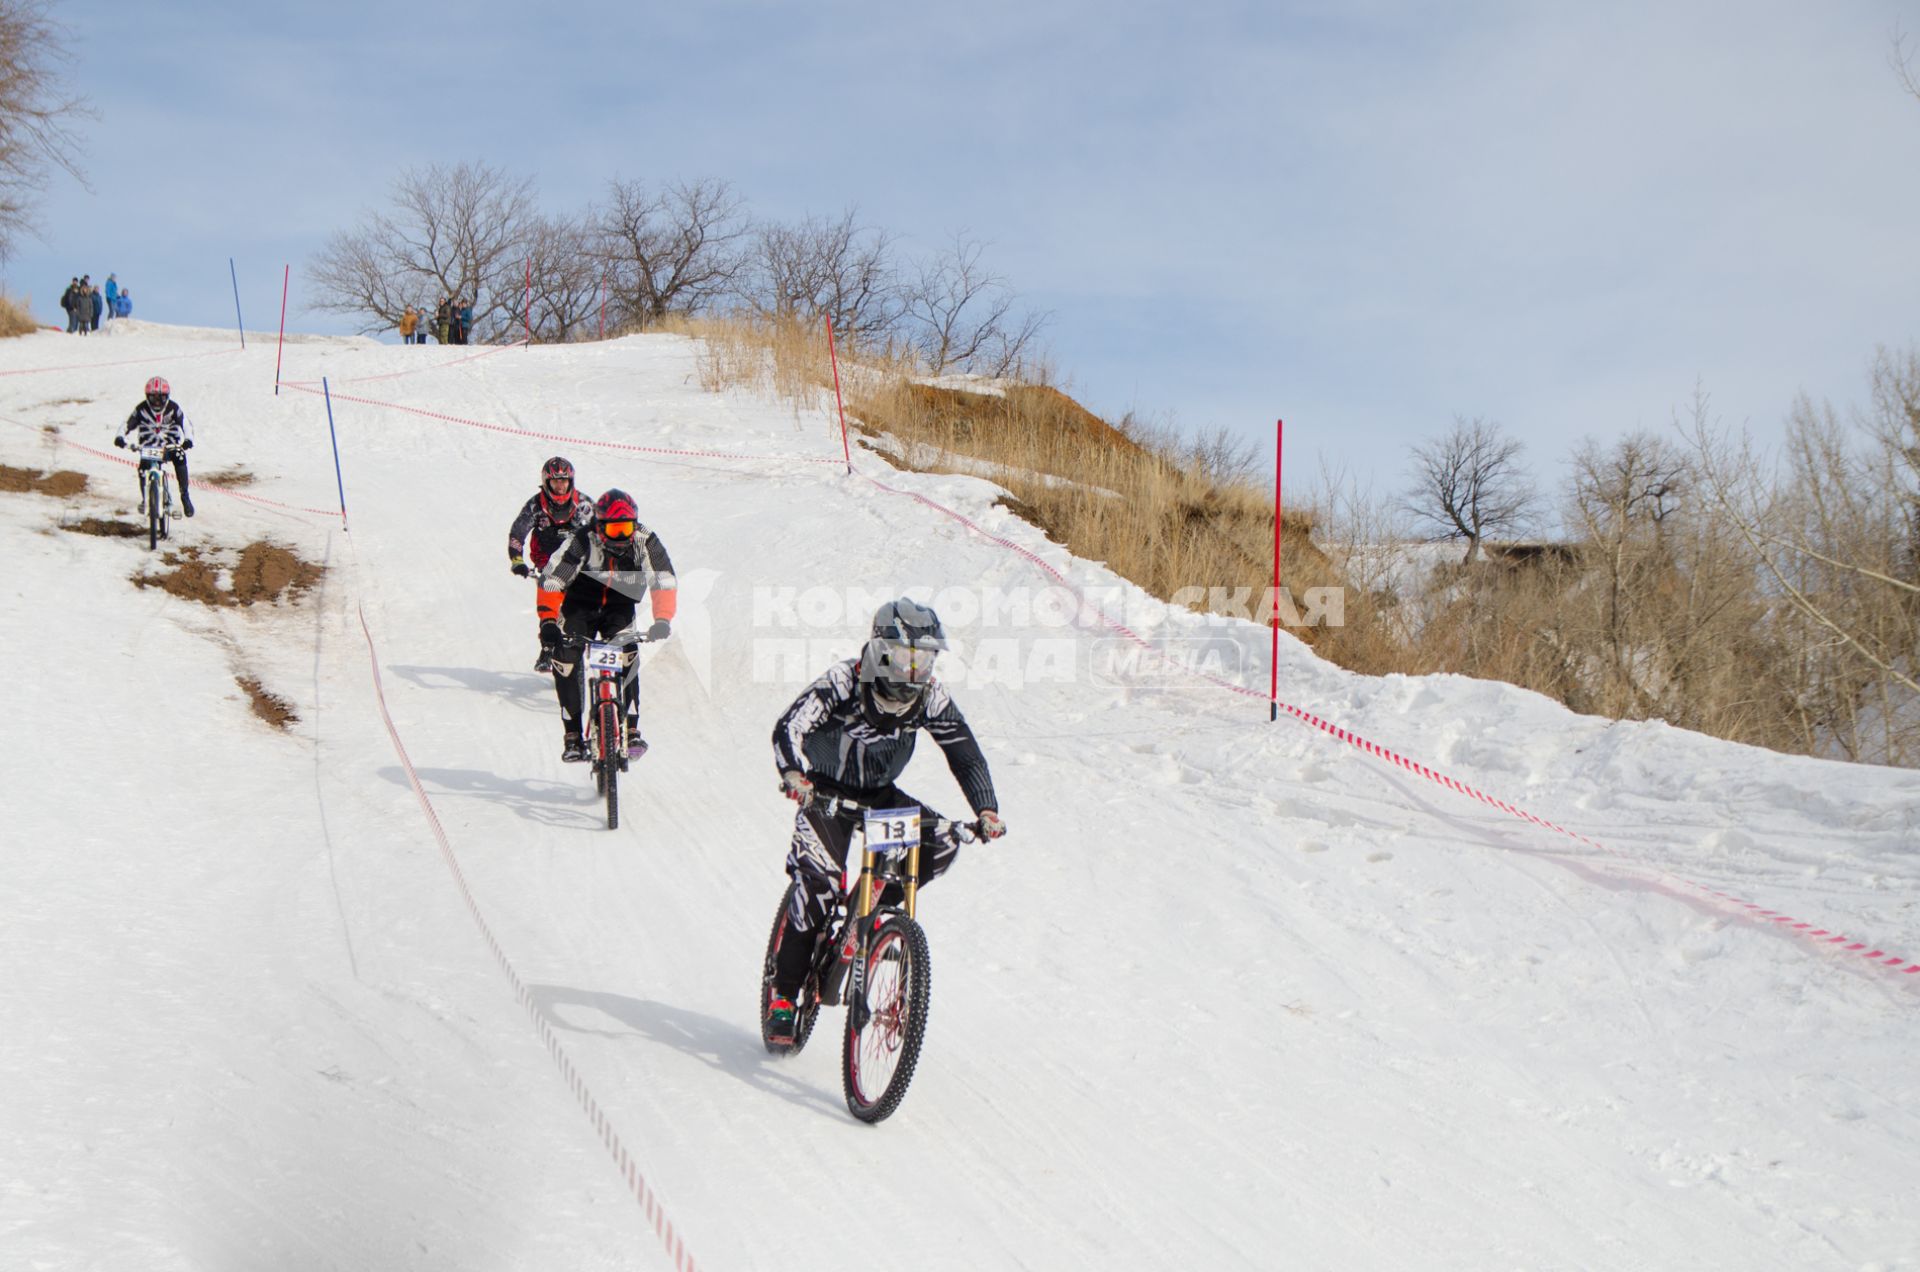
(452, 323)
(87, 303)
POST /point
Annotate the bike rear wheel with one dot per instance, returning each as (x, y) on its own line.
(887, 1019)
(806, 1009)
(609, 743)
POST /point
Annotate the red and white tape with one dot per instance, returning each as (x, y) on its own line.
(628, 1165)
(1879, 957)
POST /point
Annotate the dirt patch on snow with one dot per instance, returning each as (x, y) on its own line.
(63, 484)
(261, 572)
(271, 707)
(266, 572)
(231, 476)
(104, 528)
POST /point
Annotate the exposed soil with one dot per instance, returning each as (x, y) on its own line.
(231, 476)
(271, 707)
(63, 484)
(266, 572)
(260, 572)
(106, 529)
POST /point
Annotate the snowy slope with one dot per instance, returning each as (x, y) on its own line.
(1231, 995)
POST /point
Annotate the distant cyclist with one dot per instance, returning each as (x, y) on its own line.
(555, 511)
(851, 733)
(159, 421)
(603, 573)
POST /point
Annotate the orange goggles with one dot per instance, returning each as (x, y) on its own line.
(618, 529)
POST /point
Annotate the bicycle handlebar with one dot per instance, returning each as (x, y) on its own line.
(966, 832)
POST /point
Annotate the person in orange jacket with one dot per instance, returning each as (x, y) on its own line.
(604, 572)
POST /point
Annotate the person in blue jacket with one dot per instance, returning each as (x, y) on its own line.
(123, 305)
(112, 292)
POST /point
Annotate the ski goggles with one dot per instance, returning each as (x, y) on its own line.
(618, 529)
(914, 666)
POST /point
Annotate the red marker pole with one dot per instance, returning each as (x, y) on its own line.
(529, 300)
(285, 278)
(1273, 691)
(846, 447)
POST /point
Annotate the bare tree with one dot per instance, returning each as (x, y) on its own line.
(671, 251)
(1901, 57)
(1621, 501)
(460, 232)
(837, 269)
(36, 115)
(1831, 530)
(1469, 484)
(959, 313)
(565, 279)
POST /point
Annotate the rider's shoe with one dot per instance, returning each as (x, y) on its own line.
(780, 1018)
(636, 745)
(545, 661)
(186, 504)
(575, 750)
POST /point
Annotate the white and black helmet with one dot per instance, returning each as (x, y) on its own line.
(897, 664)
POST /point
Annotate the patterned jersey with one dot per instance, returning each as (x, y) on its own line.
(541, 528)
(166, 427)
(588, 572)
(829, 735)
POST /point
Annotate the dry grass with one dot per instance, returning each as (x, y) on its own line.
(1166, 517)
(16, 317)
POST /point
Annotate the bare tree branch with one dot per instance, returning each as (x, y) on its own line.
(1470, 484)
(674, 251)
(958, 313)
(816, 268)
(461, 232)
(36, 115)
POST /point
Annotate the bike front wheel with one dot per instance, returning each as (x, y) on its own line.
(155, 523)
(887, 1019)
(609, 757)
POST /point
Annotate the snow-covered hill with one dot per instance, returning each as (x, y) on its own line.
(1232, 994)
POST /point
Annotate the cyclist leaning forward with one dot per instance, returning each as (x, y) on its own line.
(603, 572)
(158, 421)
(851, 733)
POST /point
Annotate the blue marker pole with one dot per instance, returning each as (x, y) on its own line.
(334, 437)
(236, 301)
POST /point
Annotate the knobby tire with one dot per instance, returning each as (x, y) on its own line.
(887, 1022)
(610, 760)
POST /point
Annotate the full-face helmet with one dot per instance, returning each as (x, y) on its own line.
(897, 663)
(556, 482)
(615, 519)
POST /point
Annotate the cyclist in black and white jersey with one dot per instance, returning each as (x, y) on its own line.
(851, 733)
(159, 421)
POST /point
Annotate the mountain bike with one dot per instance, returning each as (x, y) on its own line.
(876, 959)
(156, 492)
(602, 714)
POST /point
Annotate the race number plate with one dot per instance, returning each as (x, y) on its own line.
(153, 454)
(603, 657)
(892, 830)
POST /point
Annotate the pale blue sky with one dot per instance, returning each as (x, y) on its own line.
(1367, 217)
